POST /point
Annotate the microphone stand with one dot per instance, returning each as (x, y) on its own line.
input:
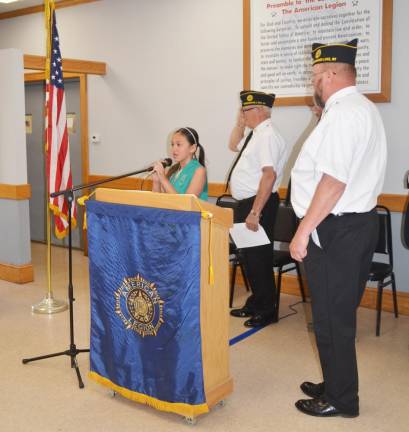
(73, 351)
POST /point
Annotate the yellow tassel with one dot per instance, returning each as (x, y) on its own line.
(81, 202)
(208, 215)
(183, 409)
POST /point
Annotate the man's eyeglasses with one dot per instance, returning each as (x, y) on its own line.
(247, 109)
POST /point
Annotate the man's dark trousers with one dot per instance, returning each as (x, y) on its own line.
(258, 260)
(337, 274)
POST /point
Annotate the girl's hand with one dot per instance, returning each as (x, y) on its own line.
(158, 170)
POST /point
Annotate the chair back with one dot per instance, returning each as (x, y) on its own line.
(285, 224)
(384, 244)
(227, 201)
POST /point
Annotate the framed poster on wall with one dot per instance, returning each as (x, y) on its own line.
(278, 35)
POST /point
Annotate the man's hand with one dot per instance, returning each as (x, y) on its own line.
(238, 132)
(252, 222)
(240, 123)
(298, 246)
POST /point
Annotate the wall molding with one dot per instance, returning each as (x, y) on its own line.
(20, 274)
(36, 62)
(290, 286)
(15, 192)
(394, 202)
(40, 8)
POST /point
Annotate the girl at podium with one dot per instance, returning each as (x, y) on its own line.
(188, 174)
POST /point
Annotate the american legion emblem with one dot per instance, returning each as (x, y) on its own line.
(139, 306)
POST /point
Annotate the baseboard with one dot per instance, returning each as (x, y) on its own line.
(17, 273)
(290, 286)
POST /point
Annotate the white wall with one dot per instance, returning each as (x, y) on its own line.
(13, 159)
(179, 62)
(15, 243)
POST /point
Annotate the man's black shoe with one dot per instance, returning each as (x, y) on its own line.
(260, 320)
(244, 312)
(321, 408)
(313, 390)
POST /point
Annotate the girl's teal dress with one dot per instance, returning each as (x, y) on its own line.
(182, 181)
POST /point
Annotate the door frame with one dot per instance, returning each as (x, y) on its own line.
(38, 78)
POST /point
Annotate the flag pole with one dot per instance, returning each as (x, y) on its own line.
(48, 305)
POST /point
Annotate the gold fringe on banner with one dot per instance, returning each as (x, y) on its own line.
(177, 408)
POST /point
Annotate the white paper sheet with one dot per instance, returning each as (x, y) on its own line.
(243, 237)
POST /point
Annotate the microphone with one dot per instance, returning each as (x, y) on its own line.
(166, 163)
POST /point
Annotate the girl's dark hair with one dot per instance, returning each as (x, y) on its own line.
(193, 138)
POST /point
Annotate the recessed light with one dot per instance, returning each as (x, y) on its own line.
(8, 1)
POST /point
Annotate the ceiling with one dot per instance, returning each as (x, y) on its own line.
(20, 4)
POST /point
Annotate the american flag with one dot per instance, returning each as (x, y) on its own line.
(56, 135)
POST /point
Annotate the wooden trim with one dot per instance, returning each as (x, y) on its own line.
(136, 183)
(40, 8)
(84, 127)
(129, 183)
(84, 143)
(15, 192)
(17, 273)
(69, 65)
(217, 189)
(39, 76)
(386, 56)
(386, 67)
(290, 286)
(394, 202)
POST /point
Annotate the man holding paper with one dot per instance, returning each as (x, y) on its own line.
(254, 179)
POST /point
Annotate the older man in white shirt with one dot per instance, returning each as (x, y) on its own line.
(254, 181)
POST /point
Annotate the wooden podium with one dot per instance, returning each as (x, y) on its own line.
(214, 310)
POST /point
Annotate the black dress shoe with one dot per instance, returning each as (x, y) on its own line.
(313, 390)
(260, 320)
(321, 408)
(244, 312)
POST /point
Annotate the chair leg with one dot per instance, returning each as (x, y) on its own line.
(232, 283)
(277, 305)
(395, 300)
(243, 272)
(379, 307)
(297, 266)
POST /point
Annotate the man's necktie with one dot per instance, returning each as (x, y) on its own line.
(238, 158)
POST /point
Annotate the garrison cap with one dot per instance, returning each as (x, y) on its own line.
(334, 52)
(250, 97)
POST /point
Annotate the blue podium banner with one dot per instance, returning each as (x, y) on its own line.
(145, 305)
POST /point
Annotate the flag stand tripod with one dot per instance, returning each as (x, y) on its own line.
(73, 350)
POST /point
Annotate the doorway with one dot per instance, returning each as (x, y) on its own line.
(35, 103)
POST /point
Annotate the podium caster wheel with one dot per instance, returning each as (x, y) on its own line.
(191, 420)
(221, 403)
(112, 393)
